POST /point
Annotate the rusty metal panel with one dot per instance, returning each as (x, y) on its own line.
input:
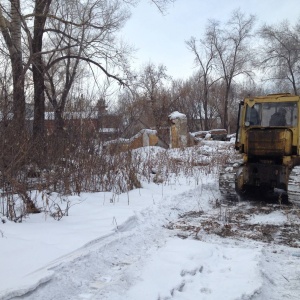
(272, 142)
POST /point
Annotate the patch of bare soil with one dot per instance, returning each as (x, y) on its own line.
(268, 223)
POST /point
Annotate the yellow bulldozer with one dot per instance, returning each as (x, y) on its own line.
(268, 143)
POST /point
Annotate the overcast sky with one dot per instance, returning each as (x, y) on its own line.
(161, 38)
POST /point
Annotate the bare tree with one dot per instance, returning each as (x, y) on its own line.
(81, 36)
(13, 20)
(233, 52)
(186, 95)
(162, 4)
(148, 102)
(187, 98)
(204, 59)
(281, 53)
(83, 32)
(152, 89)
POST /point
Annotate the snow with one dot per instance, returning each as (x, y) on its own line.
(107, 130)
(120, 247)
(272, 218)
(207, 136)
(128, 141)
(191, 269)
(177, 115)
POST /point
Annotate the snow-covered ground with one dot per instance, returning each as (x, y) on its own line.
(159, 242)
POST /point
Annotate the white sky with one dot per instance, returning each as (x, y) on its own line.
(161, 39)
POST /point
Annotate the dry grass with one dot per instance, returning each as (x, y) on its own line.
(238, 224)
(75, 162)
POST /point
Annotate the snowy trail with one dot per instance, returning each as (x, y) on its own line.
(143, 260)
(94, 265)
(281, 274)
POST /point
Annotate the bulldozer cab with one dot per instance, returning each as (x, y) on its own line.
(264, 121)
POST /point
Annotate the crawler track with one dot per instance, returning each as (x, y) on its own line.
(227, 178)
(294, 186)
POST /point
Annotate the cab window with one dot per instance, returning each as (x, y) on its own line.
(282, 114)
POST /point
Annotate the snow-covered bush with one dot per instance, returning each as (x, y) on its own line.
(74, 163)
(161, 165)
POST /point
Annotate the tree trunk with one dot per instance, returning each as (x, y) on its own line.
(59, 121)
(38, 71)
(12, 36)
(225, 116)
(41, 11)
(18, 92)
